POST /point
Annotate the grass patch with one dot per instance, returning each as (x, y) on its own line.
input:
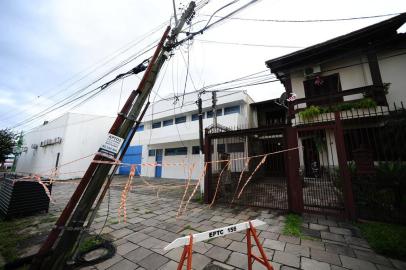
(10, 237)
(89, 242)
(292, 225)
(386, 239)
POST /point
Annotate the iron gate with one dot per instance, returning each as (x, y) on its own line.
(248, 167)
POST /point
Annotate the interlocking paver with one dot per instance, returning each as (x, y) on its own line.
(238, 246)
(125, 248)
(138, 254)
(332, 236)
(136, 237)
(274, 244)
(124, 265)
(218, 253)
(309, 264)
(318, 227)
(325, 256)
(238, 260)
(313, 244)
(153, 261)
(286, 259)
(289, 239)
(372, 257)
(221, 242)
(356, 264)
(342, 231)
(200, 261)
(120, 233)
(398, 264)
(297, 250)
(339, 249)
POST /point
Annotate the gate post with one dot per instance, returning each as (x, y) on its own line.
(295, 192)
(207, 160)
(344, 171)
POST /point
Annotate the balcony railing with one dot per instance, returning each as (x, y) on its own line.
(376, 92)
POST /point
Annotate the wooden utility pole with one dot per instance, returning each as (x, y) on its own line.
(200, 114)
(94, 178)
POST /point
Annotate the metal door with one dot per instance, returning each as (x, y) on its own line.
(158, 160)
(132, 156)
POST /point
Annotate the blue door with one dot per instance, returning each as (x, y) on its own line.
(158, 160)
(132, 156)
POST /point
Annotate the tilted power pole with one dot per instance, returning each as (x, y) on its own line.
(78, 208)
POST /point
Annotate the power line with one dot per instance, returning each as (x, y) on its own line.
(306, 21)
(249, 44)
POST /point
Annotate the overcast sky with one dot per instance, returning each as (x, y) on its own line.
(48, 46)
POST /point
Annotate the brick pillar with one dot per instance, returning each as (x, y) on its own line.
(295, 192)
(344, 171)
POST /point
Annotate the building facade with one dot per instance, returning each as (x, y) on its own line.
(71, 137)
(169, 133)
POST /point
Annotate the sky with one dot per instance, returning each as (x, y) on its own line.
(51, 48)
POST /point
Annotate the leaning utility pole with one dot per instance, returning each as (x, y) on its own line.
(94, 178)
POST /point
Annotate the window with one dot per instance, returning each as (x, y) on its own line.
(232, 109)
(221, 148)
(156, 125)
(181, 119)
(167, 122)
(151, 152)
(235, 147)
(195, 150)
(323, 86)
(195, 117)
(209, 114)
(176, 151)
(140, 128)
(219, 112)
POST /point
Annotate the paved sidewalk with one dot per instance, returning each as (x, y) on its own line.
(151, 225)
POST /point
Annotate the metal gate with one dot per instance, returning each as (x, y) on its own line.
(319, 170)
(248, 167)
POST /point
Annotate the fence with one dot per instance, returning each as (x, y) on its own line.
(350, 163)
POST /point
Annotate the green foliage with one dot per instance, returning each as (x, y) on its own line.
(10, 237)
(292, 225)
(313, 111)
(7, 141)
(89, 242)
(386, 239)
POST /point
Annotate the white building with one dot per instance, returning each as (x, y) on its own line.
(170, 132)
(66, 139)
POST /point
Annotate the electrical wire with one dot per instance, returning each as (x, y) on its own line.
(308, 20)
(249, 44)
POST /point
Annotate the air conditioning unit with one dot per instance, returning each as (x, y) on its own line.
(312, 71)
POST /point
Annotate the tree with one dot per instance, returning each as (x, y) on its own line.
(7, 141)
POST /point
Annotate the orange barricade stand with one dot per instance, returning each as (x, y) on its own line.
(251, 257)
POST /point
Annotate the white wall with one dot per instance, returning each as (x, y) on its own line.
(81, 135)
(43, 159)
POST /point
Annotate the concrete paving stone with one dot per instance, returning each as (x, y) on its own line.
(153, 261)
(323, 256)
(339, 249)
(309, 264)
(159, 247)
(335, 267)
(235, 236)
(372, 257)
(158, 233)
(289, 239)
(221, 242)
(150, 222)
(361, 248)
(398, 264)
(106, 264)
(356, 241)
(171, 265)
(200, 261)
(148, 229)
(119, 225)
(136, 227)
(286, 259)
(202, 247)
(120, 233)
(269, 235)
(274, 244)
(332, 236)
(174, 254)
(238, 260)
(311, 233)
(136, 237)
(120, 241)
(169, 236)
(135, 220)
(318, 227)
(125, 248)
(285, 267)
(384, 267)
(258, 266)
(221, 266)
(238, 247)
(339, 230)
(275, 228)
(268, 252)
(356, 264)
(327, 222)
(124, 265)
(207, 222)
(106, 230)
(230, 221)
(204, 228)
(218, 253)
(297, 250)
(137, 254)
